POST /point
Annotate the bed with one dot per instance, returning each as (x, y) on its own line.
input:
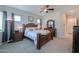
(38, 36)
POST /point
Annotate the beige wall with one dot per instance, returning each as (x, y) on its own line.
(58, 16)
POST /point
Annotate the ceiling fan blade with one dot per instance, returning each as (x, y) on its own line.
(50, 9)
(46, 9)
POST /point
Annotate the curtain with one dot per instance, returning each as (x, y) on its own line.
(5, 27)
(12, 28)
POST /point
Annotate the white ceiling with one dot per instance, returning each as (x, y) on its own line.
(36, 8)
(29, 8)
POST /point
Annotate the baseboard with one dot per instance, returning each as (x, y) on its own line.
(60, 37)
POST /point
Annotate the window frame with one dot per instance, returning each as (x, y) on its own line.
(17, 17)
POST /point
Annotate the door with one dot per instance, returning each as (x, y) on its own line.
(71, 21)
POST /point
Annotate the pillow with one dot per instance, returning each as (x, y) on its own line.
(31, 28)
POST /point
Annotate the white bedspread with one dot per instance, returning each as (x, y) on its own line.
(33, 34)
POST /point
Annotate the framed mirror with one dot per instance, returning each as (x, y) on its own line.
(51, 23)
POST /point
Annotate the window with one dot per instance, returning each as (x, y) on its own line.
(17, 18)
(38, 21)
(1, 17)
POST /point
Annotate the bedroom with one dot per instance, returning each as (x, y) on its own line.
(30, 16)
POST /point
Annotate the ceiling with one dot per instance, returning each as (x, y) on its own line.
(30, 8)
(36, 8)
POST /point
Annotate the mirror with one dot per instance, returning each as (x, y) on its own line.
(51, 23)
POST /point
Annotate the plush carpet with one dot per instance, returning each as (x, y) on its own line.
(58, 45)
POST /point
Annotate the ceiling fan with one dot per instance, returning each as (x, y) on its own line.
(46, 9)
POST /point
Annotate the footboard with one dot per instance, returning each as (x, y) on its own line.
(43, 39)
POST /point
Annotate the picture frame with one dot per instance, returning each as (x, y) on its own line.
(30, 19)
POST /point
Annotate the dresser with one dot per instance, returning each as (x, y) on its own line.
(52, 30)
(75, 48)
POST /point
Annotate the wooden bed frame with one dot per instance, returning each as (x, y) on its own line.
(41, 39)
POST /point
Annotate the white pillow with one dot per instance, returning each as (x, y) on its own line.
(31, 28)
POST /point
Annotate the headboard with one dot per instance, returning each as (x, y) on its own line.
(28, 26)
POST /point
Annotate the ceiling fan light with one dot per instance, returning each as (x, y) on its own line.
(45, 10)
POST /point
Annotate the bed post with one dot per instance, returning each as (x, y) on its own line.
(23, 30)
(38, 41)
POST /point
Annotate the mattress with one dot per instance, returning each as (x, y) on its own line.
(33, 34)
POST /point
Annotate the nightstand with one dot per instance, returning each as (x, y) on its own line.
(17, 36)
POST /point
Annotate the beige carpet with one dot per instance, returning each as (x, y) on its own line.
(57, 45)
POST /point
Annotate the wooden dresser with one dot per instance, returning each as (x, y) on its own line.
(75, 46)
(52, 30)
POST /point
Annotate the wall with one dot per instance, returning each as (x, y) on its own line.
(58, 17)
(23, 14)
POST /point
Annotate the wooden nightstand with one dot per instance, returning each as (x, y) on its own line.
(17, 36)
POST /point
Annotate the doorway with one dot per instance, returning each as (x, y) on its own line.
(70, 21)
